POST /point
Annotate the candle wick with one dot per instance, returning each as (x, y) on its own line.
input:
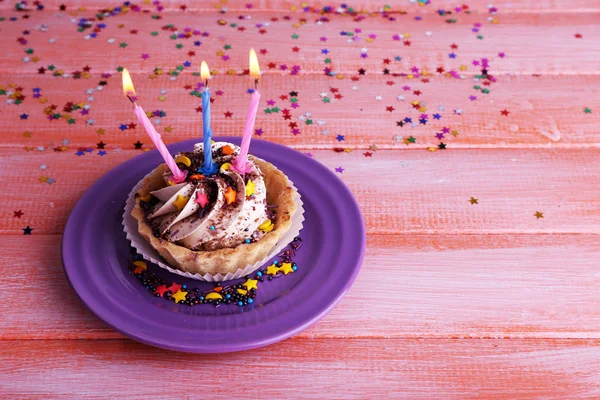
(131, 100)
(206, 83)
(256, 84)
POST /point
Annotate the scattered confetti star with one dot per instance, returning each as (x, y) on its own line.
(100, 145)
(24, 116)
(339, 169)
(340, 138)
(138, 144)
(27, 230)
(505, 112)
(473, 200)
(18, 214)
(539, 215)
(228, 114)
(368, 154)
(587, 110)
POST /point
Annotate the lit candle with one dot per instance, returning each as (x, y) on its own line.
(240, 164)
(178, 175)
(207, 166)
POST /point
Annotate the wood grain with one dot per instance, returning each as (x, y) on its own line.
(548, 112)
(360, 6)
(415, 192)
(423, 369)
(410, 286)
(454, 300)
(562, 53)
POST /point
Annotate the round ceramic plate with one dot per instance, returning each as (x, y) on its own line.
(97, 256)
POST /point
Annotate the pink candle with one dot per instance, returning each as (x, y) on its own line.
(240, 164)
(178, 175)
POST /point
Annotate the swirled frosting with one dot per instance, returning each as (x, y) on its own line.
(221, 210)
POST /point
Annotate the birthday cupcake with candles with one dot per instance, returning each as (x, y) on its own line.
(215, 212)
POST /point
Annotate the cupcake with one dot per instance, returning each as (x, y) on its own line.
(215, 223)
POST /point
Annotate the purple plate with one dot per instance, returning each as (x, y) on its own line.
(96, 257)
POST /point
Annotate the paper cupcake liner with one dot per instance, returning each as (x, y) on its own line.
(130, 227)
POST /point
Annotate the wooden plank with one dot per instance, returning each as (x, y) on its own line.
(292, 5)
(563, 53)
(415, 192)
(349, 369)
(410, 286)
(543, 111)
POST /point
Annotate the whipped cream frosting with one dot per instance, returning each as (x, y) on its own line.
(221, 210)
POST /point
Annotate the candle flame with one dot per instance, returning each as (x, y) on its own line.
(254, 67)
(204, 71)
(127, 84)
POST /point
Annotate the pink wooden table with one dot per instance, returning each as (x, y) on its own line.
(480, 195)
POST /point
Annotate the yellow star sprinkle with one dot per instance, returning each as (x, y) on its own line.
(272, 269)
(286, 268)
(473, 200)
(250, 186)
(539, 215)
(179, 296)
(250, 284)
(180, 202)
(168, 129)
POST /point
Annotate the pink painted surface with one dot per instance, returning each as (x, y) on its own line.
(455, 300)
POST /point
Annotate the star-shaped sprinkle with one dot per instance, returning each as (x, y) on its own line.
(201, 199)
(473, 200)
(339, 169)
(539, 215)
(180, 202)
(27, 230)
(18, 214)
(138, 144)
(272, 269)
(587, 110)
(250, 284)
(286, 268)
(179, 296)
(228, 114)
(100, 145)
(505, 112)
(230, 195)
(340, 138)
(250, 187)
(160, 290)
